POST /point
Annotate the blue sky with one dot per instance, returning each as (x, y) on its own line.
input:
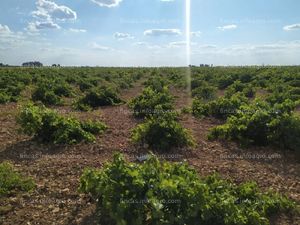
(149, 32)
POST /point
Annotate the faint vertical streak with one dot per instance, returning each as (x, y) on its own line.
(188, 44)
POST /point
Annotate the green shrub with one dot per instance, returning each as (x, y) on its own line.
(46, 95)
(63, 89)
(85, 85)
(150, 100)
(249, 91)
(246, 78)
(277, 97)
(294, 83)
(10, 92)
(49, 92)
(157, 83)
(80, 105)
(280, 93)
(195, 83)
(4, 98)
(295, 94)
(47, 126)
(238, 86)
(94, 127)
(97, 97)
(221, 108)
(15, 89)
(200, 108)
(165, 193)
(162, 132)
(261, 124)
(286, 132)
(206, 93)
(225, 81)
(125, 85)
(12, 182)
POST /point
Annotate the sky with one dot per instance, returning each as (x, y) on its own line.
(149, 32)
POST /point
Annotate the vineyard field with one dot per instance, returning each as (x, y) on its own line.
(133, 146)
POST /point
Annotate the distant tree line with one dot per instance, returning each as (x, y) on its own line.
(3, 65)
(203, 65)
(32, 64)
(206, 65)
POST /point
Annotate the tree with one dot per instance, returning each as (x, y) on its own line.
(32, 64)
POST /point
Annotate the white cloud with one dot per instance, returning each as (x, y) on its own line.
(292, 27)
(10, 39)
(279, 46)
(50, 10)
(171, 45)
(228, 27)
(6, 34)
(96, 46)
(34, 27)
(41, 14)
(107, 3)
(248, 49)
(4, 30)
(121, 36)
(278, 53)
(48, 15)
(146, 45)
(179, 44)
(46, 25)
(140, 43)
(77, 30)
(162, 32)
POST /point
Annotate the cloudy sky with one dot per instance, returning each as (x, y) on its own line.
(149, 32)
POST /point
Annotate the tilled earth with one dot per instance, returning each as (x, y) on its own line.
(56, 169)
